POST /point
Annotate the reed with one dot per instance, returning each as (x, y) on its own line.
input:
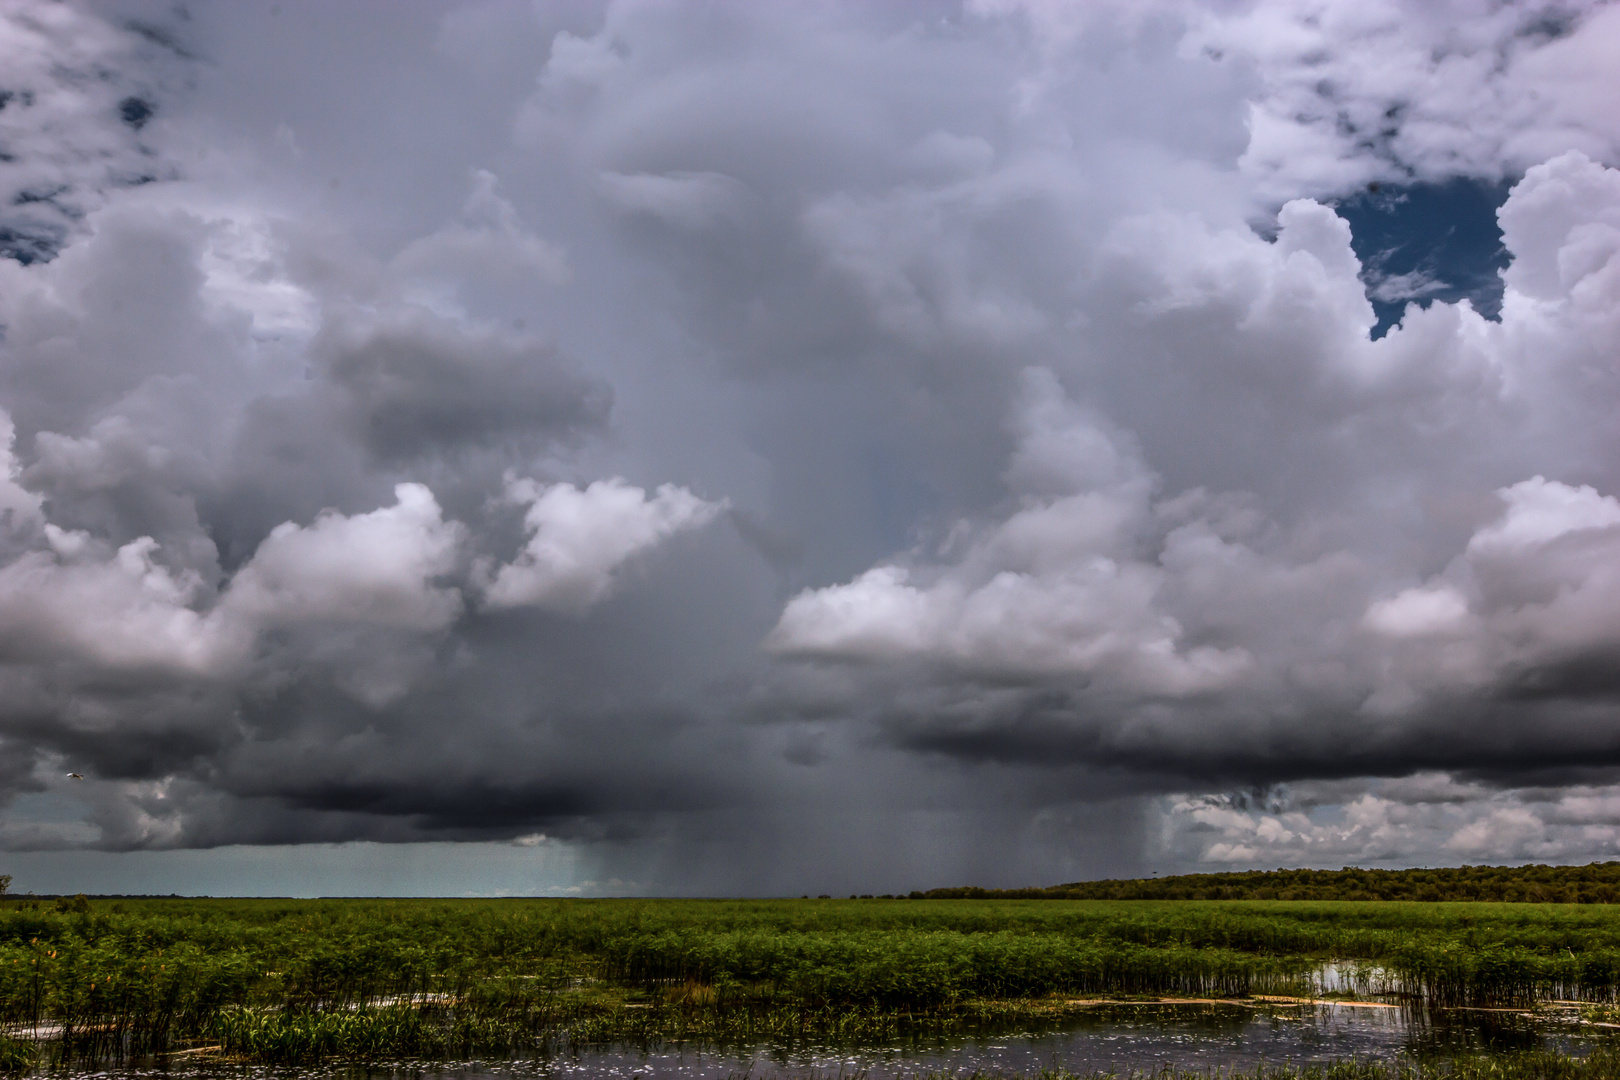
(281, 980)
(16, 1056)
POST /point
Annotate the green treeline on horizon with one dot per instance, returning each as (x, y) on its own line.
(1532, 883)
(1537, 883)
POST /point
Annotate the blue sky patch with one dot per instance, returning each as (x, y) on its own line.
(1424, 242)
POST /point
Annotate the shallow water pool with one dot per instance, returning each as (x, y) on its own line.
(1121, 1041)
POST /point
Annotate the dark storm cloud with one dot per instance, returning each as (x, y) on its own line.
(1048, 730)
(780, 447)
(419, 384)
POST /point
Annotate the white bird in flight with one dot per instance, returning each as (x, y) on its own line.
(74, 776)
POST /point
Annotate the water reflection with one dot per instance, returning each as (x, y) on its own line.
(1120, 1040)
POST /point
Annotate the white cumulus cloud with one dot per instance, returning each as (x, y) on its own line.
(579, 538)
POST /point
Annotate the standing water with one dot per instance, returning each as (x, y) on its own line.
(1121, 1041)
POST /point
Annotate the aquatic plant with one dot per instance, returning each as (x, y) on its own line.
(284, 980)
(16, 1055)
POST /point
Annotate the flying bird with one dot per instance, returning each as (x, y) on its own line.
(74, 776)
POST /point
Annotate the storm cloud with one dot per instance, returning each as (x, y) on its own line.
(788, 447)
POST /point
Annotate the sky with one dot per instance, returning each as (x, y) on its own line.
(688, 447)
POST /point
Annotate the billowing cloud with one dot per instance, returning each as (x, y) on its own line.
(1359, 92)
(77, 597)
(375, 568)
(578, 539)
(77, 97)
(1424, 818)
(1107, 616)
(1053, 590)
(806, 447)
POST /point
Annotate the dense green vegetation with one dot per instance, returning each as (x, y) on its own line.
(1595, 883)
(283, 980)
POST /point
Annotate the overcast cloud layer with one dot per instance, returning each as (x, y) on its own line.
(804, 447)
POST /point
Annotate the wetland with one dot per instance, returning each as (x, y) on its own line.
(879, 988)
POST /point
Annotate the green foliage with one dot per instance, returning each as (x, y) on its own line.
(284, 980)
(1595, 883)
(15, 1055)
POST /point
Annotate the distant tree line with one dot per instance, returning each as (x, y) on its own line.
(1594, 883)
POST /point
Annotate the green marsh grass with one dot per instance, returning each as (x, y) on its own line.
(286, 980)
